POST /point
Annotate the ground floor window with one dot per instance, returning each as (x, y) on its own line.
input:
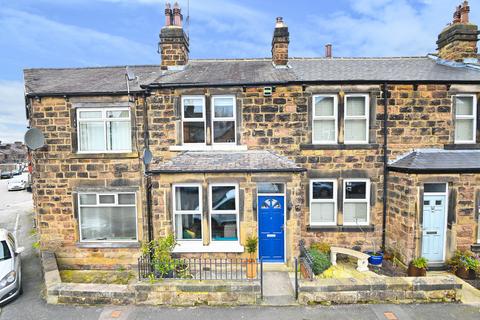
(355, 197)
(224, 212)
(187, 209)
(323, 202)
(107, 216)
(356, 202)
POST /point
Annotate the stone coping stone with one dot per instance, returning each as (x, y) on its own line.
(381, 283)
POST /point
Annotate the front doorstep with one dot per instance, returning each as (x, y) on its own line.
(441, 266)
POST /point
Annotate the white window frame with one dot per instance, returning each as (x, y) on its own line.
(319, 118)
(99, 205)
(334, 201)
(223, 119)
(367, 201)
(105, 121)
(236, 211)
(467, 117)
(202, 119)
(180, 212)
(365, 117)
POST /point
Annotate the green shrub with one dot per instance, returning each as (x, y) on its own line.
(421, 263)
(321, 247)
(321, 261)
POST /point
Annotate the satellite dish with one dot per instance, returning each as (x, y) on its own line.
(147, 156)
(34, 138)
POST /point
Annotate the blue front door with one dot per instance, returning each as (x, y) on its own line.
(433, 231)
(271, 228)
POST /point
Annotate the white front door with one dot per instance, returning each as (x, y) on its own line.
(433, 231)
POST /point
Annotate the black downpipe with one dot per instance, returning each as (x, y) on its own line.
(385, 163)
(148, 179)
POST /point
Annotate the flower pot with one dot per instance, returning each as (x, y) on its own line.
(416, 272)
(375, 260)
(463, 273)
(251, 268)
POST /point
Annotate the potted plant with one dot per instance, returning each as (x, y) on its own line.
(376, 257)
(418, 267)
(251, 246)
(465, 264)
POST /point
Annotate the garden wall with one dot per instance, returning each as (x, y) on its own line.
(166, 292)
(380, 290)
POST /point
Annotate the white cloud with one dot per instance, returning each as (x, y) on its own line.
(13, 121)
(47, 40)
(384, 27)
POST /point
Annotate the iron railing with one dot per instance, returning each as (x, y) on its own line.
(305, 262)
(200, 269)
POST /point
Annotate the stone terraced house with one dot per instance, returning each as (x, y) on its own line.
(355, 152)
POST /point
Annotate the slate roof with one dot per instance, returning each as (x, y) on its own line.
(438, 160)
(246, 72)
(225, 161)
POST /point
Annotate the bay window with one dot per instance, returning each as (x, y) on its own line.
(323, 202)
(107, 217)
(356, 201)
(223, 119)
(465, 118)
(193, 119)
(356, 118)
(224, 212)
(104, 130)
(324, 119)
(187, 211)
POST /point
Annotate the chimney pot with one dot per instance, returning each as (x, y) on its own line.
(168, 14)
(177, 15)
(328, 50)
(464, 12)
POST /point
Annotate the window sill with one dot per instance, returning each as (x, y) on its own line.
(366, 228)
(339, 146)
(214, 246)
(209, 148)
(462, 146)
(108, 245)
(105, 155)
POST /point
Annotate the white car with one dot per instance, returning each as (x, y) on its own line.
(10, 267)
(17, 183)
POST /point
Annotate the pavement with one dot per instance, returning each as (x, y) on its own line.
(17, 206)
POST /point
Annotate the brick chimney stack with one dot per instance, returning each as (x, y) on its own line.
(174, 44)
(280, 41)
(459, 40)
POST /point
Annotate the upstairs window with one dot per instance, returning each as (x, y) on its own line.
(356, 202)
(223, 119)
(104, 130)
(107, 217)
(465, 118)
(356, 119)
(193, 119)
(325, 119)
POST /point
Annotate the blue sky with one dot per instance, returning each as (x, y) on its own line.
(77, 33)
